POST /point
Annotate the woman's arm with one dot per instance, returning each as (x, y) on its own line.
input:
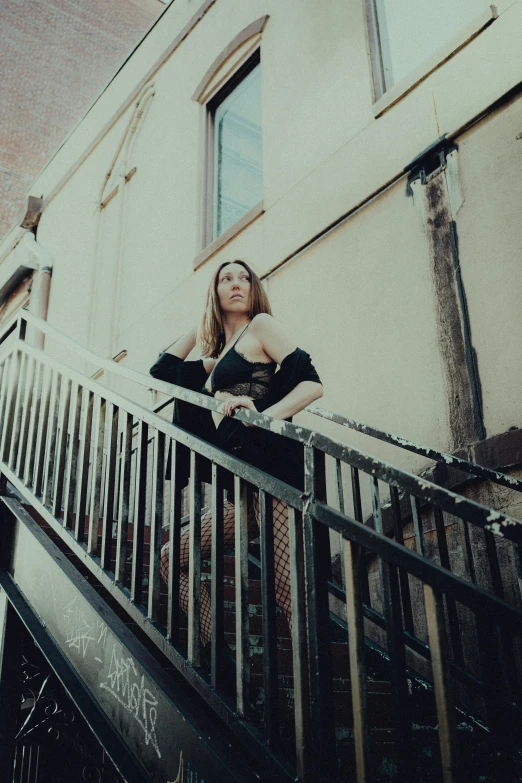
(168, 364)
(183, 345)
(302, 395)
(277, 344)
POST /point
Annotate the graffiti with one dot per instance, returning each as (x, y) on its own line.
(180, 775)
(81, 635)
(126, 685)
(101, 630)
(189, 777)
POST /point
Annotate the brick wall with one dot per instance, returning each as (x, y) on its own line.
(55, 59)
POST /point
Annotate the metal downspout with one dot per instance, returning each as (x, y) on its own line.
(39, 302)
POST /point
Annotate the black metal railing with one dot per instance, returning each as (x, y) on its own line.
(443, 467)
(67, 445)
(440, 458)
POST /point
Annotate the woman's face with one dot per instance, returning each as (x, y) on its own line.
(234, 289)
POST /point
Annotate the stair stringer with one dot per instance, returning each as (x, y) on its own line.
(148, 708)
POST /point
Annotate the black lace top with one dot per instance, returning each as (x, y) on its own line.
(233, 371)
(237, 375)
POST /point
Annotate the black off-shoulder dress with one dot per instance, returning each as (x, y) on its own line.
(268, 451)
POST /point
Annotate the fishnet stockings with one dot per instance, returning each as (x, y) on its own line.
(281, 556)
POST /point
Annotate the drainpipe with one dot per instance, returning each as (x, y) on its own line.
(39, 302)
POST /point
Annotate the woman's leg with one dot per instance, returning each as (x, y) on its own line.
(281, 555)
(206, 542)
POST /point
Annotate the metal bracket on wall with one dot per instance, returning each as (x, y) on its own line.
(429, 163)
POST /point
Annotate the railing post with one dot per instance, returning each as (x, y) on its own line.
(140, 497)
(124, 498)
(82, 473)
(35, 478)
(317, 558)
(26, 469)
(451, 607)
(27, 407)
(268, 600)
(4, 391)
(299, 644)
(61, 447)
(395, 643)
(72, 454)
(340, 501)
(353, 555)
(156, 524)
(407, 613)
(241, 575)
(96, 473)
(417, 525)
(467, 551)
(217, 571)
(50, 440)
(358, 516)
(174, 542)
(110, 484)
(17, 412)
(441, 681)
(194, 597)
(8, 419)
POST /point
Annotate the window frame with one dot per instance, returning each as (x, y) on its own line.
(384, 98)
(208, 241)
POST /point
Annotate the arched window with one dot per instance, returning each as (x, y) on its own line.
(230, 94)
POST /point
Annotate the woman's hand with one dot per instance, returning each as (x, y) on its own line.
(232, 403)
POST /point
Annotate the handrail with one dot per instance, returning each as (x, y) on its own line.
(472, 511)
(203, 448)
(422, 488)
(511, 482)
(274, 425)
(428, 572)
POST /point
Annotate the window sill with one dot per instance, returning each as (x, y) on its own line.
(410, 81)
(229, 234)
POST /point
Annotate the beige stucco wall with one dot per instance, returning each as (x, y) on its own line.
(367, 316)
(362, 299)
(490, 251)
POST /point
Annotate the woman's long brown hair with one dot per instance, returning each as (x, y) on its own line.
(212, 332)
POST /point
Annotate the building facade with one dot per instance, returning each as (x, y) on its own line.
(345, 228)
(364, 158)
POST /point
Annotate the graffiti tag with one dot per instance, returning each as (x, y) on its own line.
(126, 685)
(80, 633)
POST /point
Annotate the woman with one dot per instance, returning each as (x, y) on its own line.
(241, 344)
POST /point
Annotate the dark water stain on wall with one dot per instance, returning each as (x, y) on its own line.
(460, 365)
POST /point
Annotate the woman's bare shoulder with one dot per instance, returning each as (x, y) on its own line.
(273, 336)
(263, 322)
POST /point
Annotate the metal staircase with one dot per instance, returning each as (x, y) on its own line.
(405, 667)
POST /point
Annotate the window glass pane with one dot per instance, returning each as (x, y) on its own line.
(412, 30)
(238, 176)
